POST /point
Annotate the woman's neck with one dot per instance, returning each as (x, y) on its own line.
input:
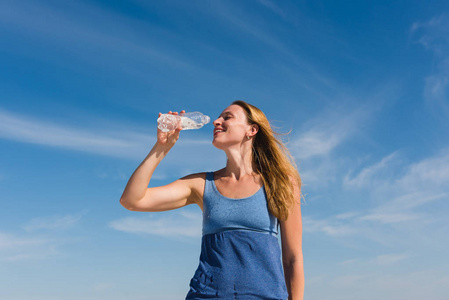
(239, 164)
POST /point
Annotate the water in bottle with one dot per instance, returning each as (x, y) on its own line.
(192, 120)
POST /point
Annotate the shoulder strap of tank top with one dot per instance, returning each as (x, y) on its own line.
(209, 176)
(209, 182)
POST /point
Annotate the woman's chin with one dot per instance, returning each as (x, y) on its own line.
(219, 144)
(216, 144)
(225, 145)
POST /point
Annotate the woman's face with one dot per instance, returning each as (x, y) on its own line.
(231, 127)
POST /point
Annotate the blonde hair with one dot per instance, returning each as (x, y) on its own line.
(273, 163)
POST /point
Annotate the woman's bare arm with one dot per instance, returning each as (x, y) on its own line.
(137, 196)
(292, 258)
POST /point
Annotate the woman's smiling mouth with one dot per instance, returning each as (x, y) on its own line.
(218, 130)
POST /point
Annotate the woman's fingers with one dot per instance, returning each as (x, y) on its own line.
(179, 128)
(176, 113)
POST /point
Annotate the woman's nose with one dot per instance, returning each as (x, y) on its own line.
(217, 122)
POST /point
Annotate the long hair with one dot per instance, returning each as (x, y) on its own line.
(273, 162)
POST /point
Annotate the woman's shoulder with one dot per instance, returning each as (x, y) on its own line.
(196, 181)
(195, 177)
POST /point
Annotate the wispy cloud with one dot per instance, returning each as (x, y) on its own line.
(16, 248)
(343, 118)
(250, 24)
(401, 192)
(68, 28)
(387, 259)
(329, 226)
(31, 130)
(350, 261)
(347, 281)
(387, 218)
(256, 27)
(395, 217)
(101, 287)
(10, 241)
(381, 284)
(406, 185)
(430, 173)
(321, 135)
(317, 141)
(54, 222)
(33, 243)
(115, 143)
(274, 8)
(175, 224)
(434, 36)
(365, 177)
(347, 215)
(383, 260)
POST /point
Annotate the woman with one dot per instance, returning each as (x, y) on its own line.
(243, 206)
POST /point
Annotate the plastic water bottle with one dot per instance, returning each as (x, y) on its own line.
(192, 120)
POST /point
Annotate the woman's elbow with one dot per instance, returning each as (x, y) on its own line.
(127, 204)
(293, 260)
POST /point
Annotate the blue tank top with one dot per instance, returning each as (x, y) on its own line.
(240, 254)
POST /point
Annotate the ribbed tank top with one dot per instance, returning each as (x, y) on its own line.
(221, 213)
(240, 254)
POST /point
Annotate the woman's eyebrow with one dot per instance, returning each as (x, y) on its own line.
(226, 113)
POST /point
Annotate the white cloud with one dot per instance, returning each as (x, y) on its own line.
(15, 248)
(347, 215)
(309, 76)
(32, 244)
(388, 259)
(328, 226)
(382, 276)
(399, 186)
(413, 286)
(316, 147)
(174, 224)
(384, 259)
(350, 261)
(116, 143)
(403, 208)
(408, 201)
(30, 130)
(54, 222)
(248, 23)
(105, 33)
(274, 8)
(430, 173)
(322, 134)
(381, 284)
(365, 177)
(101, 287)
(387, 218)
(347, 281)
(8, 241)
(434, 36)
(316, 142)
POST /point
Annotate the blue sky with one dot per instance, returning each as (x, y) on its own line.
(363, 85)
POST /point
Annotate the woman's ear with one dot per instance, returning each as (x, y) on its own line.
(254, 129)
